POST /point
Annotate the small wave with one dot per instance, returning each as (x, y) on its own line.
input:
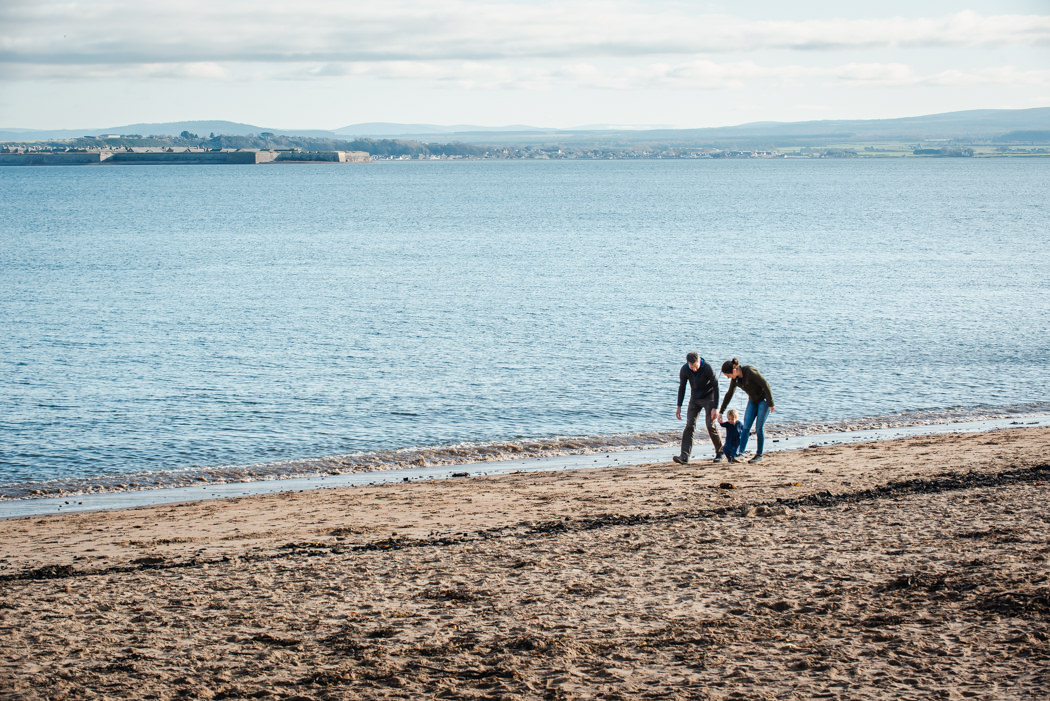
(913, 417)
(466, 453)
(458, 454)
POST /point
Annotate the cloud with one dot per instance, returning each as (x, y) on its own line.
(496, 45)
(696, 74)
(203, 71)
(991, 76)
(326, 32)
(888, 74)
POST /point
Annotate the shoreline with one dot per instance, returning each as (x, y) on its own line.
(914, 568)
(71, 502)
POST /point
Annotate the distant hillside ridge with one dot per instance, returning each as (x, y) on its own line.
(969, 124)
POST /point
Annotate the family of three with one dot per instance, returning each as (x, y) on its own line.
(703, 397)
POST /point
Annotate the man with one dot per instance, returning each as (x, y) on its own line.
(703, 396)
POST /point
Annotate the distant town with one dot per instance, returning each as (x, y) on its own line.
(116, 153)
(978, 134)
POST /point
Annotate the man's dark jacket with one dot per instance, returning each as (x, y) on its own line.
(703, 384)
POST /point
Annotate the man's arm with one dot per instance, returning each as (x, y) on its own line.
(682, 379)
(710, 381)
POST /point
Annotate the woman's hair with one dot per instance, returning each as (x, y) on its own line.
(729, 365)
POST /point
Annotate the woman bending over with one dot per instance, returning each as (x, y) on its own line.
(759, 402)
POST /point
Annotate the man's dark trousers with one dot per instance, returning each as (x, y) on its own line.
(690, 428)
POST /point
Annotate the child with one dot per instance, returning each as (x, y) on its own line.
(733, 427)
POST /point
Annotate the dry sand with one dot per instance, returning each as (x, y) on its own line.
(915, 568)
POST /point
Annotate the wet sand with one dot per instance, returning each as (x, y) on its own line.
(913, 568)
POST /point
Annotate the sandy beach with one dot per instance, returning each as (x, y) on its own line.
(913, 568)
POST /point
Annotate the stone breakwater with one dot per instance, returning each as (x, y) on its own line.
(63, 158)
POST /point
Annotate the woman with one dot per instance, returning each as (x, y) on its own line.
(759, 401)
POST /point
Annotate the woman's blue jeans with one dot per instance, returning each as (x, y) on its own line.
(755, 414)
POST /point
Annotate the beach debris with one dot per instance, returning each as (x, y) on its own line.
(47, 572)
(149, 560)
(727, 485)
(765, 511)
(329, 677)
(585, 589)
(460, 474)
(458, 594)
(384, 632)
(277, 641)
(345, 531)
(1021, 604)
(916, 580)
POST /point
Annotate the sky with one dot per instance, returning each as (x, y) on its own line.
(326, 64)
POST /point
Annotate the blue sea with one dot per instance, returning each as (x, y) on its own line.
(196, 320)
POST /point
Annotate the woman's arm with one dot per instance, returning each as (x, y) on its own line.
(729, 395)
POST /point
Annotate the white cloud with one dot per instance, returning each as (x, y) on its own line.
(874, 74)
(696, 74)
(47, 32)
(1007, 75)
(591, 60)
(209, 71)
(189, 71)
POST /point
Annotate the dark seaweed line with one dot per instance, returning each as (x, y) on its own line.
(946, 482)
(940, 483)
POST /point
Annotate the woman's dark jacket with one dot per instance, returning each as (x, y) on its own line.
(752, 383)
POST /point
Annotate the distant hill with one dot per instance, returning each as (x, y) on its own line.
(973, 124)
(205, 128)
(982, 125)
(201, 128)
(390, 129)
(967, 124)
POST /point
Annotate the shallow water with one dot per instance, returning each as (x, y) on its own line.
(192, 490)
(240, 321)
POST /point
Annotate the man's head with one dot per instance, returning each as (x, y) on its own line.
(693, 358)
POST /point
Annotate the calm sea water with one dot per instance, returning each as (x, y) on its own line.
(157, 318)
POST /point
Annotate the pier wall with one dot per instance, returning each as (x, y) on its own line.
(220, 157)
(323, 157)
(181, 157)
(50, 159)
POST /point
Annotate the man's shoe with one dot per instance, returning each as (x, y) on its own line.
(757, 458)
(718, 458)
(680, 460)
